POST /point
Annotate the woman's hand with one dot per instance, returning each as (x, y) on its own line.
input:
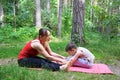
(63, 61)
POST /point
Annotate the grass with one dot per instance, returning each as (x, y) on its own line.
(12, 72)
(105, 51)
(11, 49)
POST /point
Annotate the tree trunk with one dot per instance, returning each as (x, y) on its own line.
(48, 13)
(38, 14)
(42, 4)
(78, 22)
(48, 6)
(59, 17)
(65, 3)
(15, 12)
(1, 16)
(91, 11)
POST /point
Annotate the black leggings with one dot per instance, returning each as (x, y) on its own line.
(38, 62)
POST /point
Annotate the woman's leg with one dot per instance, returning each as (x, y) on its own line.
(37, 62)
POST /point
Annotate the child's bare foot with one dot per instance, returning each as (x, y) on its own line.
(66, 66)
(69, 64)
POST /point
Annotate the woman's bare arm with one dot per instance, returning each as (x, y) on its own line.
(41, 50)
(53, 53)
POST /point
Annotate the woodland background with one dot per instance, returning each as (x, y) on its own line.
(102, 16)
(93, 24)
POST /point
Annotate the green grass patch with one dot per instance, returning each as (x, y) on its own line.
(10, 49)
(12, 72)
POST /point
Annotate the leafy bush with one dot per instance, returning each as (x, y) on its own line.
(26, 33)
(5, 33)
(9, 33)
(66, 22)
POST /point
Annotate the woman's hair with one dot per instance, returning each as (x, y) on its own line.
(43, 32)
(70, 46)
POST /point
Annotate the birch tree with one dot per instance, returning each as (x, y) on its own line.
(37, 14)
(1, 15)
(59, 17)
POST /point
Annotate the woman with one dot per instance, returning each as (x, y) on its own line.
(28, 56)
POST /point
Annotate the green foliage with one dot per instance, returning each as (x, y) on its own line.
(49, 20)
(8, 33)
(12, 72)
(24, 14)
(76, 38)
(101, 12)
(66, 21)
(26, 33)
(9, 20)
(104, 14)
(54, 3)
(4, 33)
(90, 26)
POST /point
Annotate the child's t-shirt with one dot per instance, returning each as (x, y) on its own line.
(87, 54)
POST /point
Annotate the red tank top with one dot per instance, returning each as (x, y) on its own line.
(27, 51)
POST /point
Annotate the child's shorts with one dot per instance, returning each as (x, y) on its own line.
(82, 62)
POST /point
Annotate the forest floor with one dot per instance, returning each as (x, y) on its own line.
(115, 68)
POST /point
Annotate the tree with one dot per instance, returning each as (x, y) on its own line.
(78, 22)
(48, 13)
(15, 12)
(38, 14)
(59, 17)
(1, 15)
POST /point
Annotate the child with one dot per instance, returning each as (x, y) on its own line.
(82, 57)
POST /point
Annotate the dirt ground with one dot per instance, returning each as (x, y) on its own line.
(115, 68)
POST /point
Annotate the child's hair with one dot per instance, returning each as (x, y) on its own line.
(70, 46)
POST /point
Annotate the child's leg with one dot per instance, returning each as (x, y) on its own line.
(66, 66)
(70, 62)
(81, 62)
